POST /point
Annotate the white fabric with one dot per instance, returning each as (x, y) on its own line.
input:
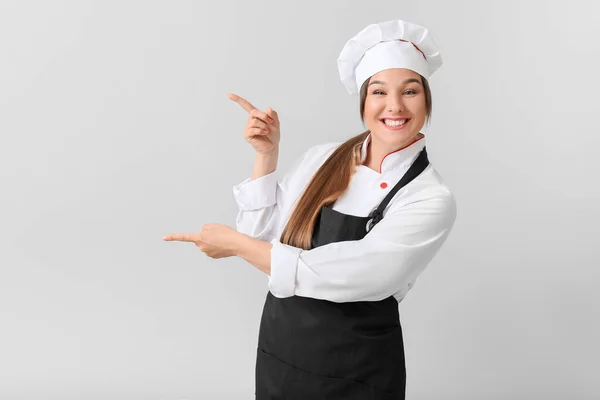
(378, 47)
(388, 55)
(387, 261)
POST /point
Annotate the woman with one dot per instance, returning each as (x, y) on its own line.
(346, 232)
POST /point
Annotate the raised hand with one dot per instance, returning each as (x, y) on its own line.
(262, 128)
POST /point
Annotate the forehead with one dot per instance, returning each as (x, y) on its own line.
(395, 76)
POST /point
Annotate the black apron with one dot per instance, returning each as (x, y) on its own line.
(311, 349)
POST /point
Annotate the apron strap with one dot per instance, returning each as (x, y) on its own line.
(415, 170)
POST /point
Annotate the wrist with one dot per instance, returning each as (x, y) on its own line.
(265, 164)
(255, 251)
(239, 243)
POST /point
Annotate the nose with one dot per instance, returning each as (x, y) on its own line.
(395, 103)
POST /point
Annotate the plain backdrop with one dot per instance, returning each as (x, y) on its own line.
(116, 130)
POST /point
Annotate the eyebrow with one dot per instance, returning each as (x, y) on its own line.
(409, 80)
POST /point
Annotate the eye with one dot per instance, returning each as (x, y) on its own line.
(410, 91)
(378, 92)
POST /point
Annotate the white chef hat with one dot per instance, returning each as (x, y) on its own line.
(391, 44)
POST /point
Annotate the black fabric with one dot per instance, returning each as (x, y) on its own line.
(317, 349)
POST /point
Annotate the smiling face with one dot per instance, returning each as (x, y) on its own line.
(396, 106)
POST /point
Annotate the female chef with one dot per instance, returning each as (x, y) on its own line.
(346, 232)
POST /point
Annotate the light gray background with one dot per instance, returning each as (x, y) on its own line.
(116, 130)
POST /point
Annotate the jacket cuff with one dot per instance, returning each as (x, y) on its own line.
(259, 193)
(284, 264)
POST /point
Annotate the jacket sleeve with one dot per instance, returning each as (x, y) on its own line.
(386, 261)
(260, 202)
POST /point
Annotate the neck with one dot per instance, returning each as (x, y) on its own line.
(377, 151)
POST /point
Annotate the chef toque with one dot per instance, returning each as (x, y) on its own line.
(391, 44)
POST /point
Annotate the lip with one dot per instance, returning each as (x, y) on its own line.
(395, 128)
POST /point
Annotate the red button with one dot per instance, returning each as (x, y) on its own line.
(383, 185)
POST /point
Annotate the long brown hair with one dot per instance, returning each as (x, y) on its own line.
(331, 180)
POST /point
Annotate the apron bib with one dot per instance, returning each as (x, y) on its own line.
(312, 349)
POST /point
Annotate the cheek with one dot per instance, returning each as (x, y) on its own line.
(372, 109)
(418, 109)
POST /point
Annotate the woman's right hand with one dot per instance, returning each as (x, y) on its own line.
(262, 128)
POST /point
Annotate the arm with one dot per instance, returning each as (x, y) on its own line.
(256, 198)
(255, 251)
(259, 198)
(385, 261)
(265, 164)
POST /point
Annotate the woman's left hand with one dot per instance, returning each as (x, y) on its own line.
(215, 240)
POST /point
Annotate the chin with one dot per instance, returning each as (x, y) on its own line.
(393, 136)
(393, 139)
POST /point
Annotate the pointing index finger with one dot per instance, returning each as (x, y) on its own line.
(181, 237)
(246, 105)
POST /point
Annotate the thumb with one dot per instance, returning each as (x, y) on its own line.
(273, 114)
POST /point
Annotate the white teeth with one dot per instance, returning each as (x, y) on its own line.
(389, 122)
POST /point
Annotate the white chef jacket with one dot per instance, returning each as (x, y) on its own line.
(387, 261)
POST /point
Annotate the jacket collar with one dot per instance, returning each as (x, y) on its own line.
(398, 158)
